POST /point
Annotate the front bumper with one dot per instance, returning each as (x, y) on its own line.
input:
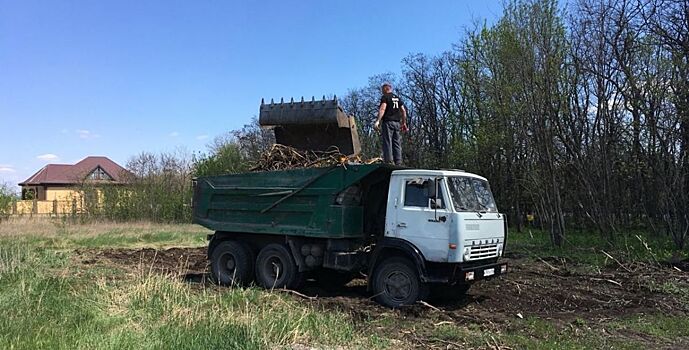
(462, 273)
(468, 275)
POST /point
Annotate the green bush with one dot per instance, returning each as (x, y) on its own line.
(7, 197)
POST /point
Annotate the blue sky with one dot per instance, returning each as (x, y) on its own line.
(115, 78)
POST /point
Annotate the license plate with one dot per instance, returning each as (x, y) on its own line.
(488, 272)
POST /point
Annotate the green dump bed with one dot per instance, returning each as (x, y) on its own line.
(300, 202)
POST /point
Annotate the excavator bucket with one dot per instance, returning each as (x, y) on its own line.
(311, 125)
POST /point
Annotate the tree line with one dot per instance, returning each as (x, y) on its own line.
(577, 112)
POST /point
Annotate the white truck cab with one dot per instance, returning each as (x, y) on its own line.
(449, 215)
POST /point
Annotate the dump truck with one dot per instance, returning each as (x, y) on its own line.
(408, 231)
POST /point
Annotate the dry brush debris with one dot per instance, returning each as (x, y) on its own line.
(281, 157)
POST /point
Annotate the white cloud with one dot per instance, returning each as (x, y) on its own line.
(202, 137)
(48, 157)
(6, 169)
(173, 134)
(86, 134)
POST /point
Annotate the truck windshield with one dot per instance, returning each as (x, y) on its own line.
(471, 194)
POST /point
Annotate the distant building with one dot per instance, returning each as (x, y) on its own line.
(61, 182)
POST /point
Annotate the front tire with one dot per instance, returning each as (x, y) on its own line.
(275, 268)
(396, 283)
(231, 263)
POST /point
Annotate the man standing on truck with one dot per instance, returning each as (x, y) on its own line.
(393, 116)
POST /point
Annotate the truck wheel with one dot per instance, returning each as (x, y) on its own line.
(231, 263)
(396, 283)
(275, 268)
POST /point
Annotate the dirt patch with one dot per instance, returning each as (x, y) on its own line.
(548, 289)
(188, 263)
(545, 290)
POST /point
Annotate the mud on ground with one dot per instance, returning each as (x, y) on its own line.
(559, 291)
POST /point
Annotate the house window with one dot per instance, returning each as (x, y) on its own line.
(99, 174)
(29, 193)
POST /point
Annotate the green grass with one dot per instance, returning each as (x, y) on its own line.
(679, 291)
(45, 306)
(587, 248)
(660, 326)
(452, 333)
(51, 301)
(122, 238)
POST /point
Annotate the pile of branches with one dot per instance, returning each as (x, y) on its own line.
(281, 157)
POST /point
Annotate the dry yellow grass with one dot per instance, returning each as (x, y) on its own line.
(47, 227)
(60, 234)
(14, 226)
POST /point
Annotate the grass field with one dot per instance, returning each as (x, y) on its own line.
(66, 286)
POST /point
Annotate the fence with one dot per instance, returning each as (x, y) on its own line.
(45, 208)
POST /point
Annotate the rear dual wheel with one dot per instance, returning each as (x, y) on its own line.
(275, 268)
(232, 263)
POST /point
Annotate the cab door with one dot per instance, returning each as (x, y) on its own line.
(421, 221)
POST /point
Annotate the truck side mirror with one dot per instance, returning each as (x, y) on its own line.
(436, 203)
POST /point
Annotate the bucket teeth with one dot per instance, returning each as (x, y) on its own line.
(313, 125)
(301, 112)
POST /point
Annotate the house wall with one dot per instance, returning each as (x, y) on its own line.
(61, 194)
(58, 201)
(30, 207)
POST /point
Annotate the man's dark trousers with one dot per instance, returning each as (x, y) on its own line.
(392, 142)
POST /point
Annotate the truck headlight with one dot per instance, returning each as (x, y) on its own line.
(499, 249)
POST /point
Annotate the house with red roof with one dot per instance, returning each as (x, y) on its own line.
(61, 182)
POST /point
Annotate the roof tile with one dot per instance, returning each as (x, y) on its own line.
(74, 174)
